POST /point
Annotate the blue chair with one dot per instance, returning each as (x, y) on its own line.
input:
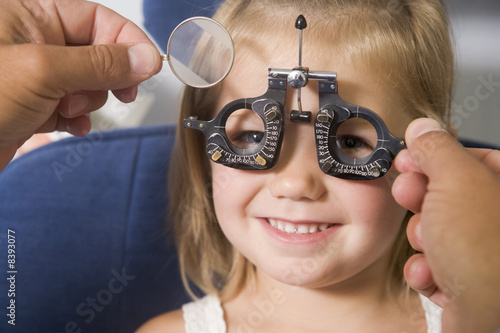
(88, 219)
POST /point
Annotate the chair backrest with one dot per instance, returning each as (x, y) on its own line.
(86, 220)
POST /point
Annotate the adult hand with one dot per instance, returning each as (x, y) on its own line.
(454, 193)
(59, 59)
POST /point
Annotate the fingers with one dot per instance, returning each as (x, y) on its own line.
(78, 126)
(126, 95)
(436, 152)
(41, 73)
(72, 113)
(81, 103)
(39, 76)
(56, 71)
(409, 190)
(74, 22)
(404, 163)
(7, 154)
(491, 158)
(419, 277)
(414, 232)
(103, 67)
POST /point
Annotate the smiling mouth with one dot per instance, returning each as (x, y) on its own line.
(297, 228)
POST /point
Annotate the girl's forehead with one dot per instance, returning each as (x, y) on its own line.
(280, 49)
(253, 58)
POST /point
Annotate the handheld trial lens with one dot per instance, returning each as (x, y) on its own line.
(189, 39)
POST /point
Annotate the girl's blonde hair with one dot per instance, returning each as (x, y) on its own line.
(407, 42)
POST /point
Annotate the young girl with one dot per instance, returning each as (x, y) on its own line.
(290, 248)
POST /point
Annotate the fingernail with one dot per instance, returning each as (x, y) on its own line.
(77, 104)
(421, 126)
(77, 129)
(142, 58)
(127, 95)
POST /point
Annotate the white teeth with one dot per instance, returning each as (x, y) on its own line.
(280, 225)
(302, 229)
(291, 228)
(323, 227)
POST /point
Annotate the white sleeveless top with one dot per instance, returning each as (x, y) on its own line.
(206, 316)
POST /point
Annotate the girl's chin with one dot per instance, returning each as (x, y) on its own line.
(305, 274)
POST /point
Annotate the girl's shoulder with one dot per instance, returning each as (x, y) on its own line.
(168, 322)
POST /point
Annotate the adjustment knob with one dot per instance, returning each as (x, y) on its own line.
(297, 79)
(301, 23)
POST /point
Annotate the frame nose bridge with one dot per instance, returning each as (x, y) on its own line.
(299, 141)
(309, 97)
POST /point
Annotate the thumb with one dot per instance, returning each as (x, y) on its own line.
(95, 67)
(436, 153)
(35, 77)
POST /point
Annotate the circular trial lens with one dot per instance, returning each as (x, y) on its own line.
(356, 138)
(200, 52)
(245, 129)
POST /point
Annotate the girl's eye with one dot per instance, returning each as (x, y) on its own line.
(247, 139)
(356, 138)
(245, 129)
(350, 142)
(353, 146)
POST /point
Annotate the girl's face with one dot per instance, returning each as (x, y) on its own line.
(296, 224)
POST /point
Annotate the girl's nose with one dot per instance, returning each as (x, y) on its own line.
(296, 175)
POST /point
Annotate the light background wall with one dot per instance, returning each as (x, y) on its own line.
(476, 109)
